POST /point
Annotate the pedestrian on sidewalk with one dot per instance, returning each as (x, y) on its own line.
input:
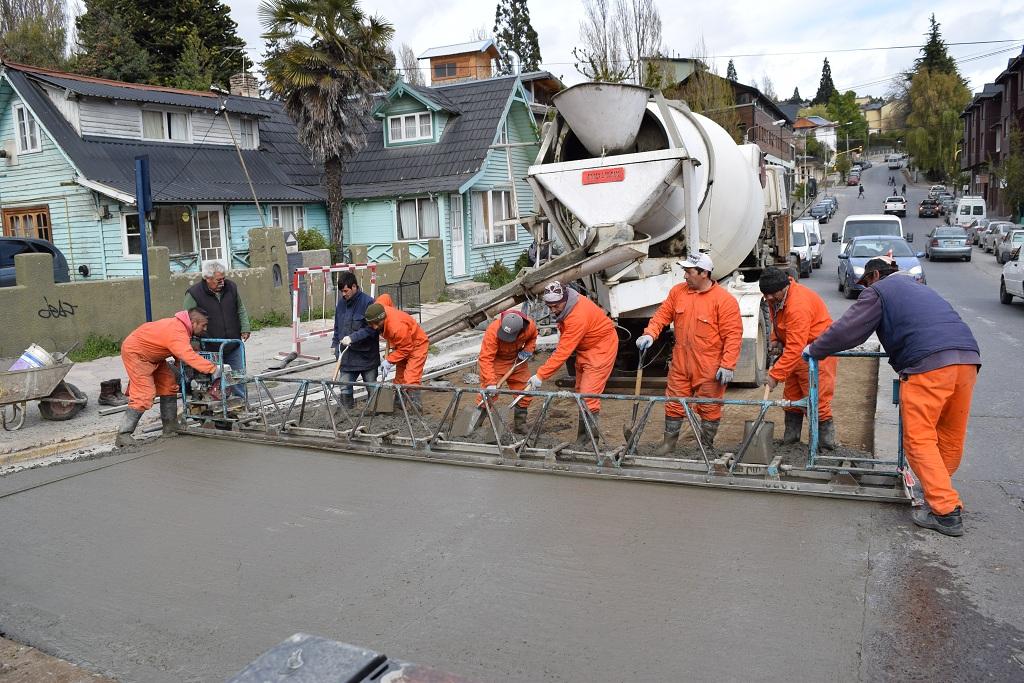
(938, 360)
(361, 343)
(144, 353)
(228, 319)
(708, 333)
(798, 316)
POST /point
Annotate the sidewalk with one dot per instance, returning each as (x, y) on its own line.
(92, 433)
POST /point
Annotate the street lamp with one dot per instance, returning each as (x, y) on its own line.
(746, 133)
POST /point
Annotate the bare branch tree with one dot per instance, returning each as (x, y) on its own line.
(34, 31)
(767, 88)
(640, 24)
(410, 65)
(480, 33)
(709, 94)
(600, 56)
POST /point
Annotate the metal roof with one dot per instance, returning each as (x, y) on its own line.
(281, 169)
(461, 48)
(379, 171)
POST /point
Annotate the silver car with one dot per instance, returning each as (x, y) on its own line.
(948, 242)
(1011, 241)
(996, 231)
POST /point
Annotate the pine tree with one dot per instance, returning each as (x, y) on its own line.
(825, 87)
(934, 55)
(730, 72)
(161, 30)
(515, 33)
(194, 70)
(795, 99)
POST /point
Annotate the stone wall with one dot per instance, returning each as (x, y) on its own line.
(433, 283)
(55, 316)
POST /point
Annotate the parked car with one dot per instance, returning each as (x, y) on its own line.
(831, 199)
(801, 245)
(814, 235)
(995, 232)
(895, 206)
(948, 205)
(1011, 283)
(947, 242)
(12, 246)
(860, 250)
(929, 208)
(975, 229)
(1010, 242)
(935, 190)
(822, 212)
(853, 180)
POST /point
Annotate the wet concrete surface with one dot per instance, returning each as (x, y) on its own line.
(186, 559)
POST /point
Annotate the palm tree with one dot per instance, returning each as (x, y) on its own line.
(331, 60)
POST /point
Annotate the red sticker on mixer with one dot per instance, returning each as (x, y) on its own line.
(604, 175)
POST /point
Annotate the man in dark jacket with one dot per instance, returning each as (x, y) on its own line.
(360, 342)
(220, 298)
(937, 359)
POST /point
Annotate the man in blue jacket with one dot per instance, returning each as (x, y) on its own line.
(360, 341)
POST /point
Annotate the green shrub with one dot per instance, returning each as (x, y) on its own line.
(95, 346)
(272, 319)
(498, 275)
(310, 239)
(522, 262)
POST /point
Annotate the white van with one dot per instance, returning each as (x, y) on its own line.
(860, 225)
(894, 161)
(813, 229)
(800, 245)
(970, 209)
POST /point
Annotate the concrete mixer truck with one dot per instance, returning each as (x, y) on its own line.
(621, 176)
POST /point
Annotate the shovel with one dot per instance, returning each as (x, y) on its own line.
(627, 430)
(384, 401)
(469, 420)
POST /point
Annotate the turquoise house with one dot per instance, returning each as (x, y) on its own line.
(69, 145)
(448, 161)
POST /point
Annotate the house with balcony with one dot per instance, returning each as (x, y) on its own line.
(69, 145)
(988, 121)
(450, 162)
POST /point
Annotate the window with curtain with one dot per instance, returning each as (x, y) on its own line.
(164, 125)
(410, 127)
(488, 209)
(418, 219)
(288, 217)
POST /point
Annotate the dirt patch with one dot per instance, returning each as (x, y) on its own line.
(853, 411)
(24, 664)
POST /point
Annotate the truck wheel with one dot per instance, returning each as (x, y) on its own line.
(1004, 296)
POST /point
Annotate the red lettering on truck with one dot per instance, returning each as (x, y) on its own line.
(604, 175)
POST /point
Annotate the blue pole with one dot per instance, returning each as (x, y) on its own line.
(812, 411)
(144, 203)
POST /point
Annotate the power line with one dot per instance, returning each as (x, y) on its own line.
(962, 60)
(866, 49)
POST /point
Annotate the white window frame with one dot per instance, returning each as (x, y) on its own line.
(503, 133)
(255, 130)
(298, 217)
(31, 132)
(492, 232)
(166, 126)
(401, 126)
(124, 236)
(419, 230)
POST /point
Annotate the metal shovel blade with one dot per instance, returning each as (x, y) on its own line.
(383, 402)
(467, 421)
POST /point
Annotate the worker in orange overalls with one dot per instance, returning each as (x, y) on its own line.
(144, 353)
(510, 339)
(938, 360)
(587, 330)
(708, 334)
(407, 340)
(798, 317)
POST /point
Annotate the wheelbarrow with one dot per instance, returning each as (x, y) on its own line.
(58, 400)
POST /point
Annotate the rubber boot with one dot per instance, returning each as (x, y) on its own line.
(794, 424)
(110, 393)
(519, 420)
(827, 435)
(708, 430)
(668, 444)
(950, 525)
(582, 438)
(169, 415)
(128, 424)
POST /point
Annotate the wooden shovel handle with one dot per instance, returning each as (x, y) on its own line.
(767, 390)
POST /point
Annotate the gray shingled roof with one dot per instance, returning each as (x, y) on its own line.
(280, 168)
(377, 171)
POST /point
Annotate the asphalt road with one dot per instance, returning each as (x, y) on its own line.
(186, 559)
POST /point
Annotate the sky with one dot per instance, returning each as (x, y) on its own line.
(744, 30)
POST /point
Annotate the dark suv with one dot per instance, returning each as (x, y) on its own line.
(929, 208)
(12, 246)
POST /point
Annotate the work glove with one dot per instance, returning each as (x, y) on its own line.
(386, 367)
(524, 356)
(724, 375)
(644, 342)
(807, 352)
(533, 384)
(346, 340)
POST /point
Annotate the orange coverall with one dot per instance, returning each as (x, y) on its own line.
(409, 343)
(496, 356)
(709, 333)
(935, 407)
(801, 319)
(144, 353)
(589, 332)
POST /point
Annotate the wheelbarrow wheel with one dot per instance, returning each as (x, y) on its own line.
(12, 416)
(64, 403)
